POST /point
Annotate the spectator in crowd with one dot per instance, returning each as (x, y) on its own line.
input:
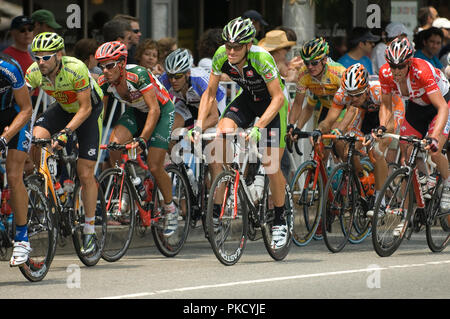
(118, 30)
(22, 34)
(84, 50)
(44, 21)
(208, 43)
(425, 18)
(147, 56)
(444, 25)
(135, 36)
(393, 30)
(165, 47)
(361, 43)
(431, 45)
(277, 44)
(338, 48)
(258, 22)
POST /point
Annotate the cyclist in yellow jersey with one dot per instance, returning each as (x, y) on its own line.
(78, 108)
(318, 81)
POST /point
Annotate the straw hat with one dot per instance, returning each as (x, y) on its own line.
(274, 40)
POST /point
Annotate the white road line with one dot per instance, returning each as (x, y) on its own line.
(256, 281)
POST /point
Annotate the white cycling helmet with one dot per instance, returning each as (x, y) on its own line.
(179, 61)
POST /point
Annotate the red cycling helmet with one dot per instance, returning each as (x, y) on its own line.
(114, 50)
(399, 50)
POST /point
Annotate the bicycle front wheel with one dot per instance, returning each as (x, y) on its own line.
(120, 212)
(307, 195)
(438, 222)
(391, 217)
(77, 217)
(338, 210)
(42, 230)
(227, 229)
(172, 245)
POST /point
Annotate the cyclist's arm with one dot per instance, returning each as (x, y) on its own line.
(385, 113)
(207, 100)
(305, 115)
(85, 109)
(105, 103)
(439, 103)
(330, 119)
(22, 99)
(296, 109)
(152, 115)
(348, 118)
(213, 117)
(275, 105)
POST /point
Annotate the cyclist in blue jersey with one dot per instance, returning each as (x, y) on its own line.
(262, 95)
(186, 84)
(15, 114)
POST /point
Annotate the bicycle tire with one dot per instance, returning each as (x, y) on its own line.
(171, 246)
(120, 221)
(42, 230)
(229, 236)
(77, 221)
(437, 226)
(338, 210)
(384, 240)
(306, 220)
(266, 228)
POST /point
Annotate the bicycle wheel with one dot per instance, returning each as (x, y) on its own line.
(42, 230)
(228, 231)
(266, 228)
(306, 199)
(120, 212)
(389, 212)
(438, 223)
(172, 245)
(338, 210)
(77, 215)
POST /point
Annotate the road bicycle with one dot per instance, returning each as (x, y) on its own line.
(126, 194)
(246, 204)
(344, 213)
(53, 212)
(402, 207)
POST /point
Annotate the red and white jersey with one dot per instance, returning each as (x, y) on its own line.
(422, 79)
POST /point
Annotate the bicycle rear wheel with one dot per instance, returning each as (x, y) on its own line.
(120, 211)
(306, 203)
(266, 228)
(438, 223)
(77, 220)
(338, 210)
(42, 230)
(228, 231)
(172, 245)
(389, 213)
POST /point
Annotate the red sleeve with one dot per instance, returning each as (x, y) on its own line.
(426, 75)
(385, 78)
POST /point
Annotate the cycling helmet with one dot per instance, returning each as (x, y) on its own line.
(355, 79)
(314, 49)
(399, 50)
(239, 30)
(47, 42)
(179, 61)
(114, 50)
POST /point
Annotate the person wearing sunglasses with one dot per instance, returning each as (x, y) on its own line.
(318, 81)
(187, 84)
(148, 117)
(426, 90)
(15, 114)
(262, 95)
(22, 34)
(78, 107)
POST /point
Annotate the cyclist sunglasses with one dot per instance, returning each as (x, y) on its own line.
(313, 63)
(108, 66)
(235, 46)
(398, 66)
(175, 76)
(356, 94)
(45, 57)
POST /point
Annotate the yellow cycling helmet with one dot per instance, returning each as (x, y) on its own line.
(47, 42)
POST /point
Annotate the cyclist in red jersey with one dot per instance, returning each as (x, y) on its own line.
(426, 90)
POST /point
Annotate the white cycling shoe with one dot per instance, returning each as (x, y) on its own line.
(20, 253)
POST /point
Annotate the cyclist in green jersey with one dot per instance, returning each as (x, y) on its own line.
(148, 117)
(78, 108)
(262, 95)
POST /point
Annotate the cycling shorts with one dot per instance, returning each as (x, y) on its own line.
(243, 111)
(89, 133)
(134, 121)
(420, 120)
(20, 141)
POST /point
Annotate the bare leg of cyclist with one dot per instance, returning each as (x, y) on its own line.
(120, 135)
